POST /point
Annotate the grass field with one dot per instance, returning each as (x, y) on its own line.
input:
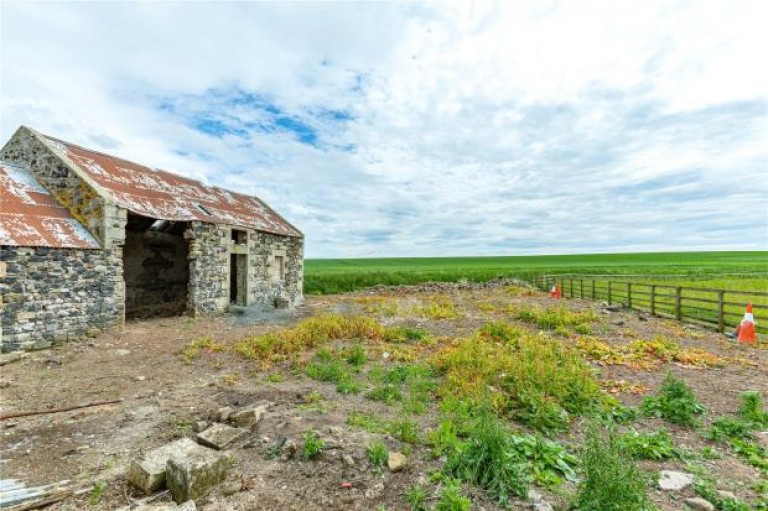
(739, 269)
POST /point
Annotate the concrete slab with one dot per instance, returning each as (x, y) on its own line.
(219, 436)
(192, 475)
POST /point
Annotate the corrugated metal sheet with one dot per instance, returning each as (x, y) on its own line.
(31, 217)
(165, 196)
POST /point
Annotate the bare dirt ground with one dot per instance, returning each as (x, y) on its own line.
(164, 394)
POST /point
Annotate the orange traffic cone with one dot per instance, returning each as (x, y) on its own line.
(746, 330)
(553, 292)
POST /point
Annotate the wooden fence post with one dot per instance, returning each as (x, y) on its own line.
(570, 285)
(593, 289)
(678, 303)
(653, 299)
(609, 292)
(720, 311)
(581, 288)
(629, 295)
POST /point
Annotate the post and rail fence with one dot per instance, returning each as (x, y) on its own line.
(719, 308)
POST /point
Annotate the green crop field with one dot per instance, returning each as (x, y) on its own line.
(744, 270)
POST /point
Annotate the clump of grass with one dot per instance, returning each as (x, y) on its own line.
(405, 430)
(377, 453)
(207, 344)
(752, 409)
(559, 317)
(674, 402)
(611, 482)
(386, 393)
(356, 356)
(648, 446)
(325, 367)
(313, 446)
(643, 354)
(405, 334)
(230, 378)
(417, 498)
(98, 491)
(275, 378)
(707, 490)
(452, 499)
(309, 333)
(370, 423)
(437, 307)
(537, 380)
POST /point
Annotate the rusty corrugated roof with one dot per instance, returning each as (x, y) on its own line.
(159, 194)
(31, 217)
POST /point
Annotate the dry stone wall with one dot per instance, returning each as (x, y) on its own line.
(277, 269)
(208, 268)
(53, 295)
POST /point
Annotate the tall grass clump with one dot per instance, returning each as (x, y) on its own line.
(309, 333)
(674, 402)
(558, 317)
(538, 381)
(611, 481)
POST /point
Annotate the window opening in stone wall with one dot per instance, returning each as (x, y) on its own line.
(239, 237)
(278, 269)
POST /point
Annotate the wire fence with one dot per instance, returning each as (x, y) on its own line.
(721, 308)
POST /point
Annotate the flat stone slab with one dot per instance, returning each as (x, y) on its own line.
(250, 415)
(148, 472)
(671, 480)
(191, 475)
(219, 436)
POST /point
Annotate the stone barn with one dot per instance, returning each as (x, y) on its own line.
(88, 240)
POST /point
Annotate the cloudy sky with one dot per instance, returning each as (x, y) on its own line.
(420, 128)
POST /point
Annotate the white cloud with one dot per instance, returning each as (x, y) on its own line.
(424, 128)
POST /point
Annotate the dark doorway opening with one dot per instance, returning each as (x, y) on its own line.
(237, 279)
(155, 267)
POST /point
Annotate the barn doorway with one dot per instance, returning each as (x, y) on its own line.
(238, 279)
(155, 267)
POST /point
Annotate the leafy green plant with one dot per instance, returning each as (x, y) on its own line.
(611, 481)
(648, 446)
(313, 446)
(752, 409)
(444, 439)
(417, 498)
(705, 489)
(674, 402)
(484, 459)
(377, 453)
(326, 368)
(386, 393)
(727, 428)
(356, 356)
(451, 498)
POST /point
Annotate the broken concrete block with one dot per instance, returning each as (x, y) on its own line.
(219, 436)
(251, 415)
(192, 475)
(148, 472)
(671, 480)
(223, 414)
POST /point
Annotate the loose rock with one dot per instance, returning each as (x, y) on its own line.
(249, 416)
(699, 504)
(671, 480)
(223, 414)
(762, 438)
(396, 461)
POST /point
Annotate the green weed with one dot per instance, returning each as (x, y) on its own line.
(356, 356)
(417, 498)
(452, 499)
(611, 482)
(648, 446)
(193, 349)
(98, 491)
(377, 453)
(386, 393)
(674, 402)
(313, 446)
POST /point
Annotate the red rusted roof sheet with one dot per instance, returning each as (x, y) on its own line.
(158, 194)
(31, 217)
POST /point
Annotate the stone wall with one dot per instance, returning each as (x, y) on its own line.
(268, 284)
(210, 250)
(208, 291)
(156, 273)
(52, 295)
